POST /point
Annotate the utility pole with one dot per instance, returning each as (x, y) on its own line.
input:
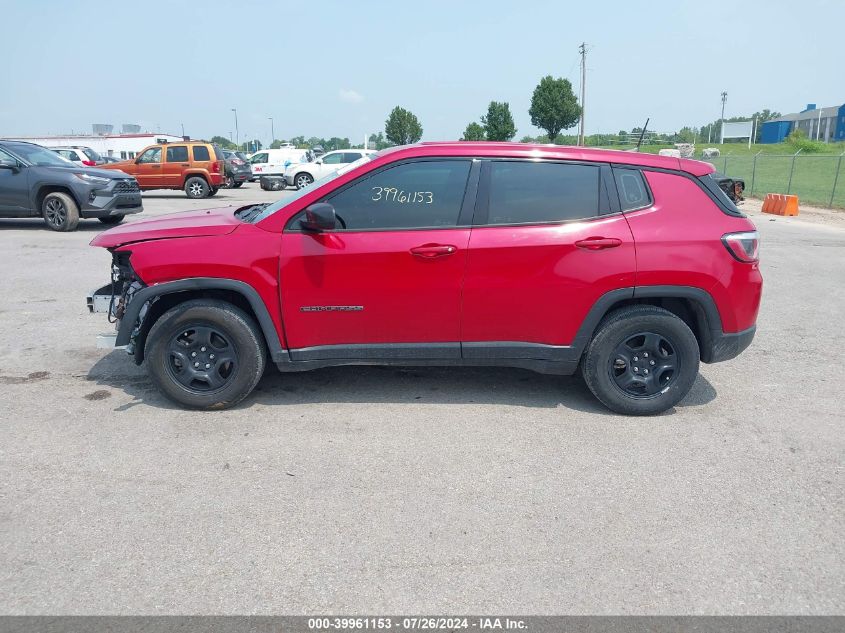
(722, 120)
(583, 50)
(272, 131)
(237, 134)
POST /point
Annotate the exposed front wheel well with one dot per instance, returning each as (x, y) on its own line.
(165, 302)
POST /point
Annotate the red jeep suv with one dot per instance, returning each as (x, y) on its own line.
(629, 267)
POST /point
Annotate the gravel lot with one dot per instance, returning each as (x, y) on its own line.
(366, 490)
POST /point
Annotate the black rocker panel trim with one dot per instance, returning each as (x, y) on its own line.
(379, 351)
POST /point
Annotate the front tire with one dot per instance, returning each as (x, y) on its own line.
(642, 360)
(60, 212)
(112, 219)
(196, 187)
(205, 354)
(302, 180)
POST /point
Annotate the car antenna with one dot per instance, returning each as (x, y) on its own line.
(642, 134)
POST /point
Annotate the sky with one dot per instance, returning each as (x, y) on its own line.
(336, 68)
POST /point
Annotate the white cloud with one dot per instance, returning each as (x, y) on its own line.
(350, 96)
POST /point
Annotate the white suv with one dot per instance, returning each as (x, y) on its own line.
(82, 156)
(300, 176)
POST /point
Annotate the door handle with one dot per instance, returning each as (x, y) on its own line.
(598, 243)
(156, 166)
(185, 164)
(430, 251)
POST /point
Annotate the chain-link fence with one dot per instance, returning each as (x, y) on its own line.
(816, 180)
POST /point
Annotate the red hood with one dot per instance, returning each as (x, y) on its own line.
(191, 224)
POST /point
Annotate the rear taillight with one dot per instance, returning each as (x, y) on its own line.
(237, 161)
(218, 166)
(89, 163)
(743, 246)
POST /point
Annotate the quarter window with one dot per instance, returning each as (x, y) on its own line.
(177, 154)
(152, 155)
(414, 195)
(201, 153)
(536, 192)
(633, 193)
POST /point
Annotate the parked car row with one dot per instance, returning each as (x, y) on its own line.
(64, 184)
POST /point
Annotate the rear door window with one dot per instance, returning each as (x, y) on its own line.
(201, 153)
(177, 154)
(351, 157)
(527, 192)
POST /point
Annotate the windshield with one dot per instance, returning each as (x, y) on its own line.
(92, 155)
(40, 156)
(270, 209)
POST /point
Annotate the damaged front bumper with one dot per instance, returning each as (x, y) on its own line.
(108, 300)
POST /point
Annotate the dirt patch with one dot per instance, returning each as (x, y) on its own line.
(22, 380)
(100, 394)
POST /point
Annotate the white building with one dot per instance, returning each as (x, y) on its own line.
(122, 146)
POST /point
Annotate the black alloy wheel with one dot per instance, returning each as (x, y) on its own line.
(202, 358)
(644, 365)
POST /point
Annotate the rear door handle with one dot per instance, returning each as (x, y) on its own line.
(429, 251)
(598, 243)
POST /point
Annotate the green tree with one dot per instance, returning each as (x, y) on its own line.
(223, 142)
(402, 127)
(498, 122)
(554, 106)
(762, 117)
(378, 141)
(474, 132)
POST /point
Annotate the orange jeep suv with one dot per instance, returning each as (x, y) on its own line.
(196, 167)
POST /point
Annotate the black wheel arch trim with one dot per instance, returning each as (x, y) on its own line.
(148, 293)
(707, 314)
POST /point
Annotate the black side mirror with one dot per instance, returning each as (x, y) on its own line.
(320, 216)
(10, 165)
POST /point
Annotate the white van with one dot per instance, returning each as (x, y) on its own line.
(273, 162)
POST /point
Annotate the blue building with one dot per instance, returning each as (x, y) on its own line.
(823, 124)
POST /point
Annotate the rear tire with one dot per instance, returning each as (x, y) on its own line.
(60, 212)
(230, 182)
(237, 185)
(642, 360)
(196, 187)
(205, 354)
(112, 219)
